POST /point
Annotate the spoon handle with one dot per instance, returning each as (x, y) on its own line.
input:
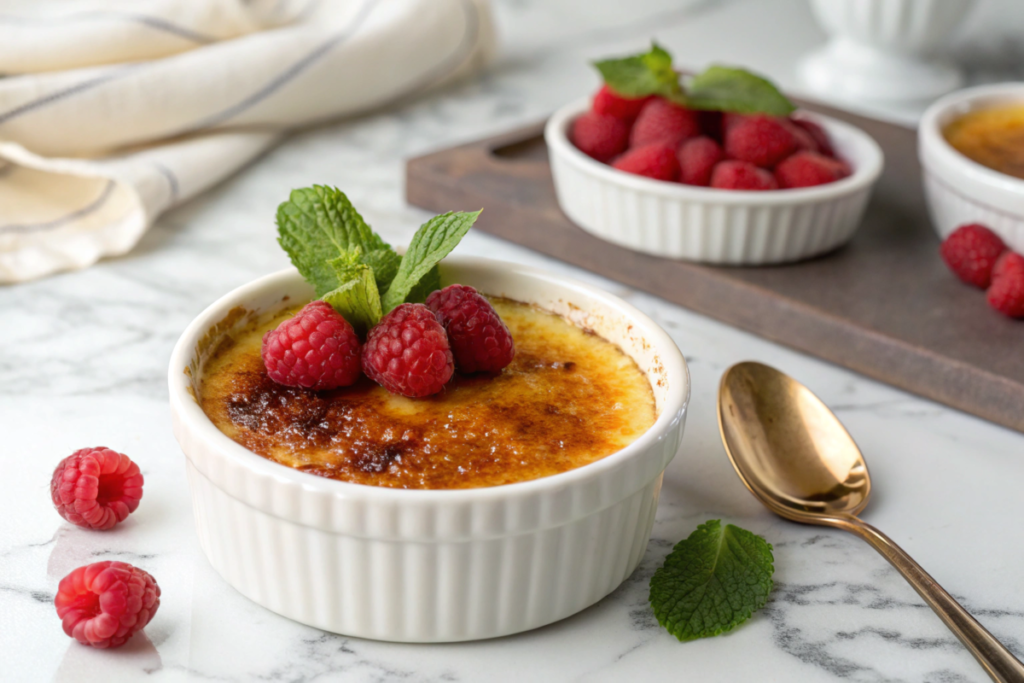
(999, 662)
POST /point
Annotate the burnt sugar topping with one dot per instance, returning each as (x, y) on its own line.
(568, 398)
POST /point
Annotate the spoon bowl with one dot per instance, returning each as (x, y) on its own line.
(795, 456)
(763, 413)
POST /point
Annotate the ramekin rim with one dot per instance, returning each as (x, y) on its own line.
(189, 412)
(864, 174)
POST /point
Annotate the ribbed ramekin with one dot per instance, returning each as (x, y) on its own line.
(960, 190)
(428, 566)
(883, 49)
(711, 225)
(900, 25)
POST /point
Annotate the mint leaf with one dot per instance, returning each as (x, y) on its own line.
(384, 263)
(712, 582)
(728, 89)
(641, 75)
(429, 283)
(432, 242)
(357, 299)
(318, 224)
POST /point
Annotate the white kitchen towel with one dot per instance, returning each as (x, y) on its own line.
(112, 111)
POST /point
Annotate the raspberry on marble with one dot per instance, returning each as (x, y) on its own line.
(104, 604)
(96, 488)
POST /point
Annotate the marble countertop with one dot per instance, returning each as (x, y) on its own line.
(84, 357)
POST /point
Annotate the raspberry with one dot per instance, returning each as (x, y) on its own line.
(817, 133)
(479, 338)
(656, 161)
(805, 142)
(971, 252)
(697, 158)
(316, 349)
(106, 603)
(1006, 294)
(712, 123)
(761, 140)
(741, 175)
(599, 136)
(96, 488)
(665, 122)
(806, 169)
(610, 103)
(1010, 260)
(407, 352)
(729, 121)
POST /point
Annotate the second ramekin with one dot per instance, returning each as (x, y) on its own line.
(428, 566)
(960, 190)
(711, 225)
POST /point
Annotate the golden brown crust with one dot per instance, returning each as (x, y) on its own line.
(993, 137)
(567, 399)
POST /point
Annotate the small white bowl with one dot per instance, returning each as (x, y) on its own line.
(422, 565)
(883, 49)
(960, 190)
(710, 225)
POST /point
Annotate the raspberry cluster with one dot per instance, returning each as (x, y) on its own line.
(412, 351)
(656, 138)
(980, 258)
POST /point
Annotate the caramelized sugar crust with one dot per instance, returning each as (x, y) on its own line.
(569, 398)
(992, 137)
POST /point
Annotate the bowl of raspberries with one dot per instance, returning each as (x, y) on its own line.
(725, 170)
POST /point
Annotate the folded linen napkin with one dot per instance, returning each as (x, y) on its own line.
(113, 111)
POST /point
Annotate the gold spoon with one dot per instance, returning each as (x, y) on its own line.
(795, 456)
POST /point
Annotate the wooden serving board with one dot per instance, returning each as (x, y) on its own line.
(884, 305)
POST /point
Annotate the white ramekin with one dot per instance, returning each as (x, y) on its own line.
(963, 191)
(705, 224)
(908, 26)
(428, 566)
(883, 49)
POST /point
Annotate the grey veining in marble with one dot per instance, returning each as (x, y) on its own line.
(83, 358)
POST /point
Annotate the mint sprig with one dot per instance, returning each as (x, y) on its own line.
(649, 73)
(350, 266)
(712, 582)
(718, 88)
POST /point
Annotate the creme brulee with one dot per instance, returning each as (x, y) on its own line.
(568, 398)
(992, 137)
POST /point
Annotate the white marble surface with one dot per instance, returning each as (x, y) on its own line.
(83, 357)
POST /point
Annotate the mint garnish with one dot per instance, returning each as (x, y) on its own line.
(641, 75)
(432, 242)
(712, 582)
(718, 88)
(350, 266)
(729, 89)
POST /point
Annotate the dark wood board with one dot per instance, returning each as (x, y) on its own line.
(884, 305)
